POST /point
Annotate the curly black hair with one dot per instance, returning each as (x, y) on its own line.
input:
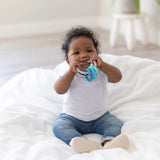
(76, 32)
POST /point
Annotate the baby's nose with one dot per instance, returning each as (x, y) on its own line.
(84, 55)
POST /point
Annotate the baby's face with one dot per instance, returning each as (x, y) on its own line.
(81, 49)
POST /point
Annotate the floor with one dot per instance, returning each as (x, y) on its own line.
(20, 54)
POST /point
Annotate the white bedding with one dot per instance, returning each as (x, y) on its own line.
(29, 106)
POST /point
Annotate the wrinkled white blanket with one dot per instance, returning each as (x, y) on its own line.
(29, 106)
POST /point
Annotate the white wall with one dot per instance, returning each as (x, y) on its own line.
(24, 11)
(23, 17)
(152, 11)
(105, 14)
(29, 17)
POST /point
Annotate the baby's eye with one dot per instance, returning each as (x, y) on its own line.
(89, 50)
(76, 53)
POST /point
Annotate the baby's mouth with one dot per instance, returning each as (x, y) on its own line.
(84, 65)
(85, 62)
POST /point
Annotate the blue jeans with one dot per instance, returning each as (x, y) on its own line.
(67, 127)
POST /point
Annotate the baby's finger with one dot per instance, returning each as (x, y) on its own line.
(79, 66)
(92, 59)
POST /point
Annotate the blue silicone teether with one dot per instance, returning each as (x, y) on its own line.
(92, 73)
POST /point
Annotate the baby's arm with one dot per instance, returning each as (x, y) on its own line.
(113, 73)
(62, 85)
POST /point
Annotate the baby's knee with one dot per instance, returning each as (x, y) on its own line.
(57, 127)
(61, 126)
(113, 130)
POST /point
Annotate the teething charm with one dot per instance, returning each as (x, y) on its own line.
(90, 73)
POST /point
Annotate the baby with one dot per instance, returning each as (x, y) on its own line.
(85, 104)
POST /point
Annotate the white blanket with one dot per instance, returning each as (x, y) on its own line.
(29, 106)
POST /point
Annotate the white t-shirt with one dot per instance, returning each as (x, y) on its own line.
(85, 100)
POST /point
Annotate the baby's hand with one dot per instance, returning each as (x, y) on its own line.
(73, 66)
(98, 60)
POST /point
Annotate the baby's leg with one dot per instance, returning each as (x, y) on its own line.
(111, 127)
(65, 130)
(108, 126)
(112, 133)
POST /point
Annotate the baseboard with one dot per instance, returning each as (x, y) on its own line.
(47, 27)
